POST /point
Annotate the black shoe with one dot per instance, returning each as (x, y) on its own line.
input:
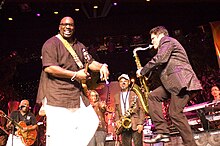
(158, 138)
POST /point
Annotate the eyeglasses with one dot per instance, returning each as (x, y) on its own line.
(65, 24)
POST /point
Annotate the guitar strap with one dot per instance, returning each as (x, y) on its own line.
(71, 50)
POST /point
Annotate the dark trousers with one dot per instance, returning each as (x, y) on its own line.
(127, 137)
(98, 139)
(177, 104)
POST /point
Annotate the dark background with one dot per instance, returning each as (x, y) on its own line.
(21, 39)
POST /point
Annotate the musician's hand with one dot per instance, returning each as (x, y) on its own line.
(138, 72)
(81, 75)
(24, 129)
(42, 111)
(9, 126)
(104, 72)
(103, 104)
(140, 128)
(118, 123)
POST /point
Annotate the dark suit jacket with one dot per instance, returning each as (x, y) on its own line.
(177, 73)
(139, 115)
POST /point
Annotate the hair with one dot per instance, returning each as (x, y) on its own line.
(24, 100)
(215, 85)
(159, 30)
(96, 93)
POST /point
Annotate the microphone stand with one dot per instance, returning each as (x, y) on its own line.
(12, 133)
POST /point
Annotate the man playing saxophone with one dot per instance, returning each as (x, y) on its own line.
(179, 83)
(129, 114)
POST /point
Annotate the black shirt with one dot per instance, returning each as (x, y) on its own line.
(28, 118)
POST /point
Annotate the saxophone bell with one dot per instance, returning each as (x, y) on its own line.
(126, 123)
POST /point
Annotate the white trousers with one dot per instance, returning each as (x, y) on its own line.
(70, 128)
(16, 141)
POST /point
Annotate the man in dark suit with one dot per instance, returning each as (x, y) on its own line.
(125, 100)
(179, 82)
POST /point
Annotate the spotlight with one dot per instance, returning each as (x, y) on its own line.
(25, 7)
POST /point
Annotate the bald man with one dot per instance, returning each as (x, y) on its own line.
(21, 116)
(64, 64)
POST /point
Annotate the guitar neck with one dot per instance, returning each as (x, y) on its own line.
(13, 121)
(86, 67)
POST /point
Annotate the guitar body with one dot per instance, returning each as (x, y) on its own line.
(28, 137)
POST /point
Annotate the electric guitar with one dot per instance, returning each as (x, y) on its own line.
(27, 137)
(83, 82)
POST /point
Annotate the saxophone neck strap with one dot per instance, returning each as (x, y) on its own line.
(71, 50)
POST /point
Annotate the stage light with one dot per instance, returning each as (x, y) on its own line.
(77, 10)
(95, 7)
(10, 19)
(25, 7)
(38, 14)
(115, 4)
(56, 12)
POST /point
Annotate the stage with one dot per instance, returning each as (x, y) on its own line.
(211, 138)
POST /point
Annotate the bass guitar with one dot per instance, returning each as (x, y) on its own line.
(27, 137)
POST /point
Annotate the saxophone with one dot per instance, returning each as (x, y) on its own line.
(142, 91)
(125, 121)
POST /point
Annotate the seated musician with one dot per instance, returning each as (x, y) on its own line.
(214, 106)
(28, 126)
(212, 109)
(215, 91)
